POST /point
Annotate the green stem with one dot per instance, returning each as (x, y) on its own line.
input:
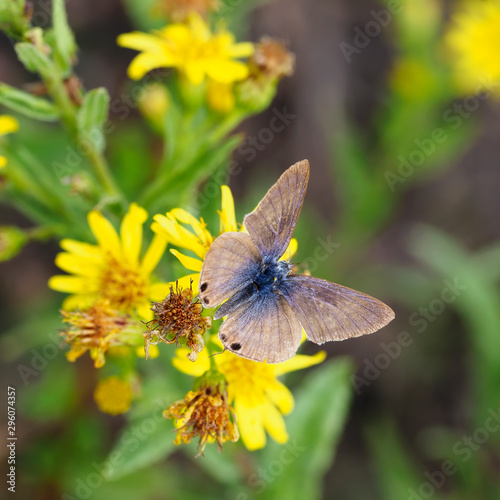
(58, 92)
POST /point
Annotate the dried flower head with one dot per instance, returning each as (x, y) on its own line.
(205, 413)
(178, 316)
(271, 59)
(179, 10)
(96, 330)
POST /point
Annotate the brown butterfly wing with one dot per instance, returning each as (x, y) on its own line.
(272, 223)
(328, 311)
(229, 266)
(263, 328)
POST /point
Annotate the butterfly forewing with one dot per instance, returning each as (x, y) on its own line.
(328, 311)
(264, 328)
(272, 223)
(230, 265)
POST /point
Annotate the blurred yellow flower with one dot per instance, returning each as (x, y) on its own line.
(198, 239)
(154, 103)
(191, 48)
(220, 96)
(112, 269)
(8, 124)
(113, 395)
(473, 40)
(260, 400)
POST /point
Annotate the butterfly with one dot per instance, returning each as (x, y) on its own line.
(265, 305)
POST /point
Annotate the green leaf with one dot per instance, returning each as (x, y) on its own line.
(27, 104)
(91, 117)
(142, 442)
(315, 427)
(65, 44)
(33, 58)
(396, 472)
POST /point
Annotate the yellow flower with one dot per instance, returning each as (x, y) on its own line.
(112, 269)
(113, 395)
(8, 124)
(154, 103)
(97, 330)
(259, 398)
(198, 239)
(220, 96)
(473, 39)
(192, 49)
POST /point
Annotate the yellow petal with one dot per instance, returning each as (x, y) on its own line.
(144, 311)
(140, 41)
(291, 250)
(298, 362)
(153, 254)
(220, 96)
(145, 62)
(74, 264)
(8, 124)
(69, 284)
(85, 250)
(274, 423)
(79, 301)
(104, 233)
(281, 396)
(177, 234)
(198, 26)
(250, 425)
(227, 71)
(227, 215)
(184, 365)
(195, 71)
(242, 49)
(186, 218)
(176, 34)
(3, 161)
(131, 233)
(192, 280)
(188, 262)
(158, 291)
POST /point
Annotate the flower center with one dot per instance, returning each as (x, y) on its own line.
(125, 288)
(246, 378)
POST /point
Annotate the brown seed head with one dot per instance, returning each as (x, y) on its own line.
(272, 59)
(204, 413)
(179, 10)
(178, 316)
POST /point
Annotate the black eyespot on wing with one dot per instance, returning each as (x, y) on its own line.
(206, 301)
(223, 337)
(203, 287)
(236, 346)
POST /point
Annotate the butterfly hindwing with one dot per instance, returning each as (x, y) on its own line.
(272, 223)
(328, 311)
(229, 266)
(262, 328)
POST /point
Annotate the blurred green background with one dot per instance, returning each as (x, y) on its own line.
(402, 204)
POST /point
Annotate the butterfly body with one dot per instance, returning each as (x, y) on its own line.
(271, 275)
(266, 306)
